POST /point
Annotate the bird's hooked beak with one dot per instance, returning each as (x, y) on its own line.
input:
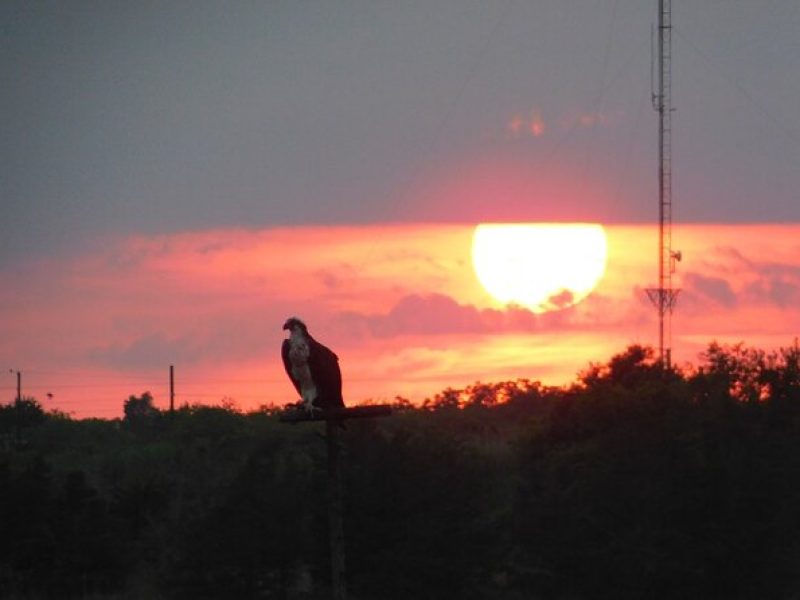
(294, 323)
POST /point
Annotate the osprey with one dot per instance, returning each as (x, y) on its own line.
(313, 368)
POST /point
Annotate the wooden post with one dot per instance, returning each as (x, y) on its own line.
(171, 389)
(18, 411)
(335, 511)
(334, 418)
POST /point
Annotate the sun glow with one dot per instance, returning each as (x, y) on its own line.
(542, 267)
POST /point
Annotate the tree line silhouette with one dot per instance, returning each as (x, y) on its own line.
(632, 482)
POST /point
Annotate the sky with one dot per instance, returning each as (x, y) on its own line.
(177, 178)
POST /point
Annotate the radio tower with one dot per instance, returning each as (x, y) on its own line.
(664, 296)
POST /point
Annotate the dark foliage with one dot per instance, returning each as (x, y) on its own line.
(634, 482)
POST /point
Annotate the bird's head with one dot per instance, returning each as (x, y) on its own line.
(295, 324)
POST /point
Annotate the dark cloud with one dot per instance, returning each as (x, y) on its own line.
(221, 339)
(741, 280)
(330, 280)
(438, 314)
(150, 119)
(779, 270)
(563, 299)
(433, 314)
(147, 352)
(777, 290)
(716, 289)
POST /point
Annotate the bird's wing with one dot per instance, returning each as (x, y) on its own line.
(324, 365)
(288, 365)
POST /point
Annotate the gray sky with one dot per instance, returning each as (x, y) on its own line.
(153, 117)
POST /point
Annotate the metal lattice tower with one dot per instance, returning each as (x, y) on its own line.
(664, 296)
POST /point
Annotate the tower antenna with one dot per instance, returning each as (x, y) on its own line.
(664, 296)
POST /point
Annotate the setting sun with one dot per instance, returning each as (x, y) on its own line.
(542, 267)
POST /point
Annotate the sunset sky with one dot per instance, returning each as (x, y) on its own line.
(178, 178)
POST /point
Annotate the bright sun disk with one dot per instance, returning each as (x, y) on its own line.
(540, 266)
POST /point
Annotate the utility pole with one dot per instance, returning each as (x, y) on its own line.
(19, 383)
(664, 296)
(171, 389)
(334, 419)
(335, 510)
(17, 408)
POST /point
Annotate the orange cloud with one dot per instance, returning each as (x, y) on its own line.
(400, 304)
(530, 124)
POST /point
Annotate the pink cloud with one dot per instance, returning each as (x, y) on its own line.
(702, 288)
(530, 124)
(400, 304)
(438, 314)
(727, 276)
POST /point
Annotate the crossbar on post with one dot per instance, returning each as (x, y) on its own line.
(299, 414)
